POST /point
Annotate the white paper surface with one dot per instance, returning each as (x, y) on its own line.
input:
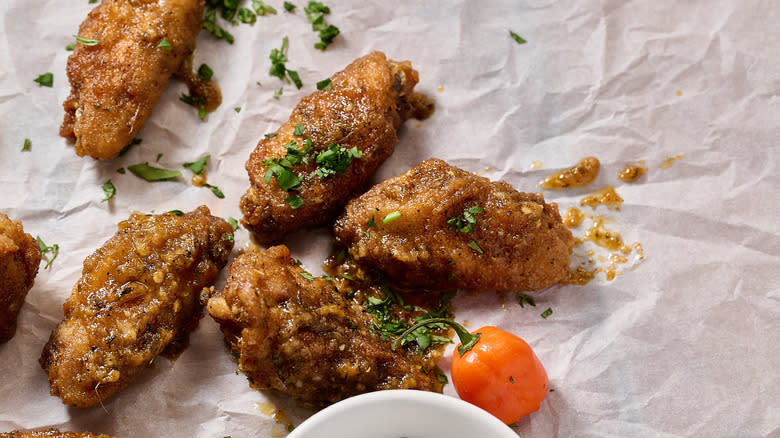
(684, 343)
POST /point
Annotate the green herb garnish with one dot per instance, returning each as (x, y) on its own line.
(289, 7)
(210, 23)
(295, 78)
(475, 246)
(198, 102)
(335, 160)
(54, 250)
(522, 299)
(149, 173)
(306, 275)
(70, 47)
(176, 212)
(109, 190)
(518, 38)
(134, 142)
(247, 16)
(299, 129)
(467, 222)
(237, 109)
(121, 170)
(215, 190)
(270, 135)
(86, 41)
(277, 93)
(197, 166)
(324, 84)
(547, 313)
(233, 223)
(391, 217)
(27, 144)
(45, 80)
(165, 45)
(205, 72)
(262, 8)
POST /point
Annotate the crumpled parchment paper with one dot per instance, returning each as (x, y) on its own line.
(683, 342)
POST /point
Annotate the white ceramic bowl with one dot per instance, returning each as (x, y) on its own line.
(402, 414)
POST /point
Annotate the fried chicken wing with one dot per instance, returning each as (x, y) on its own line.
(367, 103)
(51, 433)
(439, 227)
(20, 256)
(138, 296)
(116, 82)
(300, 335)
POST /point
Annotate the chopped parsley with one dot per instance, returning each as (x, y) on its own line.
(197, 166)
(27, 144)
(277, 93)
(547, 313)
(210, 21)
(335, 160)
(233, 223)
(165, 45)
(70, 47)
(467, 222)
(391, 217)
(215, 190)
(130, 145)
(149, 173)
(86, 41)
(176, 212)
(316, 12)
(475, 246)
(299, 130)
(306, 275)
(45, 80)
(440, 376)
(45, 249)
(522, 299)
(109, 190)
(261, 8)
(237, 109)
(247, 16)
(294, 201)
(198, 102)
(205, 72)
(160, 155)
(324, 84)
(229, 237)
(278, 57)
(371, 223)
(289, 7)
(270, 135)
(121, 170)
(518, 38)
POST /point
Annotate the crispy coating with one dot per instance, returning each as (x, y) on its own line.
(116, 83)
(306, 339)
(517, 243)
(20, 256)
(50, 433)
(138, 296)
(367, 103)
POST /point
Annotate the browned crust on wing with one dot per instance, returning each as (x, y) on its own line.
(306, 339)
(525, 245)
(116, 83)
(51, 433)
(367, 103)
(138, 296)
(20, 256)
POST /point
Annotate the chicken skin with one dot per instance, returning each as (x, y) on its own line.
(51, 433)
(333, 142)
(138, 296)
(439, 227)
(299, 335)
(20, 256)
(116, 82)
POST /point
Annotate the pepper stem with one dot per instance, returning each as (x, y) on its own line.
(467, 340)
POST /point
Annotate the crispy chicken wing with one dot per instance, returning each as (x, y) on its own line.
(50, 433)
(138, 296)
(440, 227)
(300, 335)
(116, 82)
(367, 103)
(20, 256)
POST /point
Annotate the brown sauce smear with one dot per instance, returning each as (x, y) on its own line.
(579, 175)
(631, 173)
(609, 239)
(606, 196)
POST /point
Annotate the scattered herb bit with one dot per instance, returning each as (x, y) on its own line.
(202, 112)
(93, 1)
(86, 41)
(467, 222)
(109, 190)
(299, 129)
(475, 246)
(127, 148)
(233, 223)
(237, 109)
(278, 58)
(326, 37)
(198, 102)
(285, 178)
(27, 144)
(270, 135)
(290, 428)
(259, 84)
(547, 313)
(289, 7)
(523, 299)
(295, 78)
(215, 190)
(348, 277)
(229, 237)
(335, 160)
(306, 275)
(54, 250)
(205, 72)
(149, 173)
(96, 106)
(441, 377)
(262, 8)
(45, 80)
(247, 16)
(210, 22)
(165, 45)
(197, 166)
(121, 170)
(324, 84)
(294, 201)
(518, 38)
(70, 47)
(277, 93)
(371, 223)
(158, 157)
(316, 12)
(176, 212)
(513, 425)
(391, 217)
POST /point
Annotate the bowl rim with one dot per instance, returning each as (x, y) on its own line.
(309, 427)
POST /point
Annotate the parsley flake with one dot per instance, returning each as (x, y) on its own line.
(299, 129)
(335, 160)
(233, 223)
(165, 45)
(211, 26)
(316, 12)
(121, 170)
(247, 16)
(270, 135)
(45, 249)
(518, 38)
(325, 84)
(475, 246)
(89, 42)
(27, 144)
(467, 222)
(289, 7)
(70, 47)
(45, 80)
(547, 313)
(294, 201)
(205, 72)
(149, 173)
(109, 190)
(261, 8)
(391, 217)
(215, 190)
(197, 166)
(134, 142)
(522, 299)
(176, 212)
(306, 275)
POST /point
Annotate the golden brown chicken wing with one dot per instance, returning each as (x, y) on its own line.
(50, 433)
(138, 297)
(298, 334)
(118, 76)
(20, 256)
(440, 227)
(333, 142)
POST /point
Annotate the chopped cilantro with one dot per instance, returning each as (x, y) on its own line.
(205, 72)
(466, 224)
(316, 12)
(121, 170)
(229, 237)
(176, 212)
(197, 166)
(237, 109)
(160, 155)
(134, 142)
(522, 299)
(109, 190)
(306, 275)
(45, 80)
(277, 93)
(215, 190)
(27, 144)
(547, 313)
(165, 45)
(475, 246)
(335, 160)
(149, 173)
(326, 37)
(289, 7)
(262, 8)
(45, 249)
(391, 217)
(324, 84)
(247, 16)
(86, 41)
(270, 135)
(299, 129)
(440, 376)
(210, 23)
(278, 58)
(295, 78)
(198, 102)
(233, 223)
(517, 38)
(70, 47)
(371, 223)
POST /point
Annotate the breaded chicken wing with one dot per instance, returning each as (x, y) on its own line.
(138, 296)
(51, 433)
(116, 82)
(300, 335)
(440, 227)
(20, 256)
(368, 101)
